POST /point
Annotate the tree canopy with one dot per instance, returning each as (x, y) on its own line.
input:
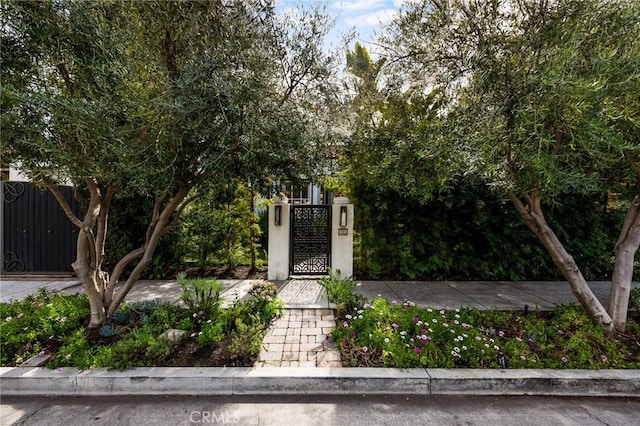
(157, 98)
(541, 102)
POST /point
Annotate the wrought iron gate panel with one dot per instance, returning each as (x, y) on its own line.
(310, 240)
(37, 236)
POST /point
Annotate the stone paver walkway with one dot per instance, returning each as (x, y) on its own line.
(300, 338)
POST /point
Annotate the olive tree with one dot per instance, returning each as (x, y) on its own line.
(544, 102)
(154, 98)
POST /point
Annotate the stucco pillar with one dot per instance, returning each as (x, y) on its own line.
(342, 236)
(278, 267)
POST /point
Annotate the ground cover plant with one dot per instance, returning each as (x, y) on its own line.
(55, 326)
(386, 333)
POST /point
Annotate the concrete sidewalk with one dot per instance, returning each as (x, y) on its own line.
(306, 294)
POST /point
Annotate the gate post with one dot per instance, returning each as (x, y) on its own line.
(342, 236)
(278, 265)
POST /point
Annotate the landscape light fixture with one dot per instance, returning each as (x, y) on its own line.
(278, 214)
(343, 216)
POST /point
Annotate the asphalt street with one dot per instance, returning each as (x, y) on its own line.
(301, 410)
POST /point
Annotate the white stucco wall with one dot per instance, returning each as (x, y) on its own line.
(279, 241)
(342, 238)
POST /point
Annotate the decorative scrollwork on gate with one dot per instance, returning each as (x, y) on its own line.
(12, 263)
(12, 190)
(310, 239)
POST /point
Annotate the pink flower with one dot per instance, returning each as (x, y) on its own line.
(365, 349)
(416, 319)
(564, 359)
(417, 349)
(604, 357)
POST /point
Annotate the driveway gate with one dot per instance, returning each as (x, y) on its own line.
(37, 236)
(310, 240)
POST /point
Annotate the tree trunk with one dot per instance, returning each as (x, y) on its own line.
(534, 219)
(252, 233)
(625, 251)
(160, 224)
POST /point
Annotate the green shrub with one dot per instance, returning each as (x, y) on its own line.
(634, 299)
(246, 340)
(212, 332)
(471, 233)
(340, 291)
(262, 301)
(201, 295)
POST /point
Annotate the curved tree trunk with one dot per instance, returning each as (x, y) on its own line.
(534, 219)
(160, 225)
(625, 251)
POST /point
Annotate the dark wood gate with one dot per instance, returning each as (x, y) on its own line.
(310, 240)
(37, 236)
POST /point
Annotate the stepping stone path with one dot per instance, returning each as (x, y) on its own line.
(300, 338)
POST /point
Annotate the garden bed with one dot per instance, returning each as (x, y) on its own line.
(52, 327)
(396, 334)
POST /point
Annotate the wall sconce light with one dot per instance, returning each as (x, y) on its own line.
(277, 215)
(343, 216)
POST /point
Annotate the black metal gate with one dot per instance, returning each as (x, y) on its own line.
(37, 236)
(310, 240)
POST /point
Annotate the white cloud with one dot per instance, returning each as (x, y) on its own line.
(357, 5)
(373, 19)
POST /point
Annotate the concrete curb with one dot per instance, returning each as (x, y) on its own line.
(316, 381)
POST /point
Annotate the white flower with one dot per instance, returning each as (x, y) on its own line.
(429, 310)
(348, 316)
(464, 348)
(386, 340)
(496, 347)
(359, 316)
(435, 321)
(445, 325)
(457, 349)
(8, 319)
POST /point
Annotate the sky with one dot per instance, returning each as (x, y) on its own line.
(365, 16)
